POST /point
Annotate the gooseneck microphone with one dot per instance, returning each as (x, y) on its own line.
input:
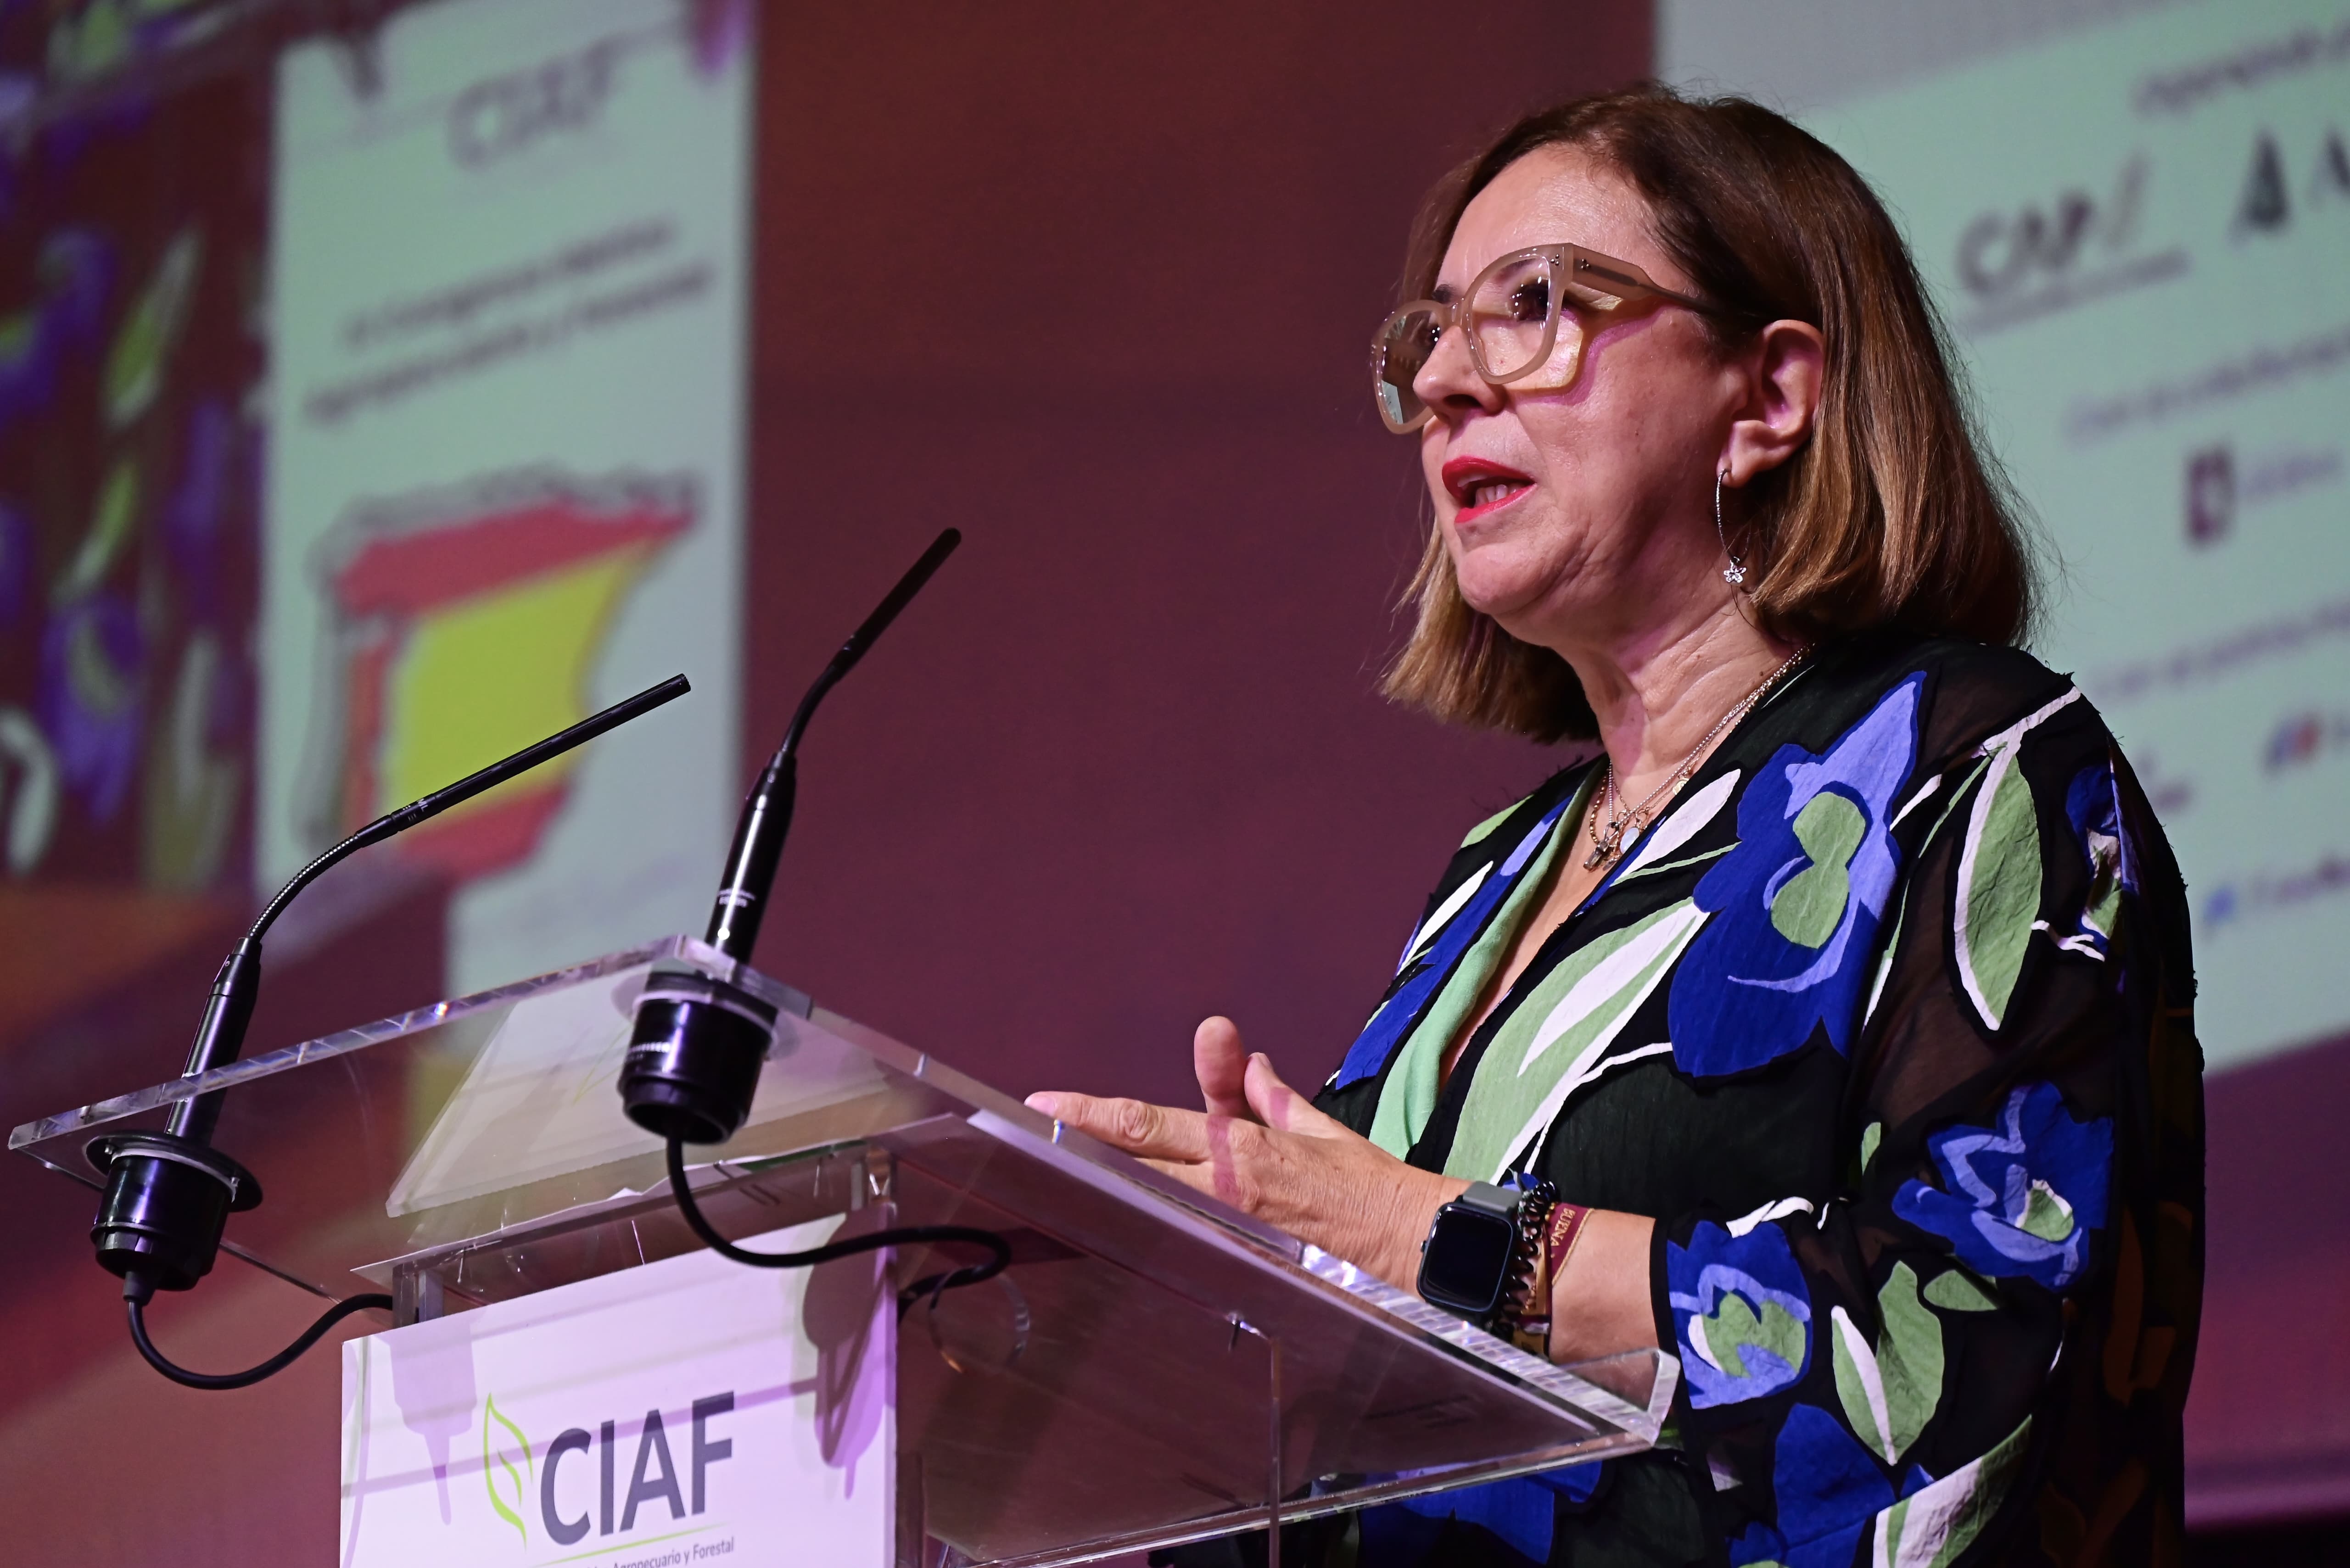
(169, 1194)
(699, 1043)
(766, 817)
(694, 1061)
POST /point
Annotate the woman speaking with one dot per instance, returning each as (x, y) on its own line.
(1829, 1026)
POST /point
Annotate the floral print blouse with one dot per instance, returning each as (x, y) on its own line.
(1886, 1022)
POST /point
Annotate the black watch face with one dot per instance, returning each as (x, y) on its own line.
(1466, 1266)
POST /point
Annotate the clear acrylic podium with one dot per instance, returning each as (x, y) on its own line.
(1153, 1367)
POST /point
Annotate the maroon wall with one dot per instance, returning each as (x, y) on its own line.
(1097, 286)
(2268, 1426)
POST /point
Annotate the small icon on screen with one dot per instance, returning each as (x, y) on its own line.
(2211, 494)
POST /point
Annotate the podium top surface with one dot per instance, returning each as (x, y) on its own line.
(475, 1150)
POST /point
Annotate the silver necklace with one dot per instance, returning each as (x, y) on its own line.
(1608, 842)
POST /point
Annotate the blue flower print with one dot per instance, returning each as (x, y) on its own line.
(1522, 1513)
(1760, 1543)
(2020, 1200)
(1740, 1312)
(1798, 901)
(1760, 1547)
(2093, 807)
(1827, 1487)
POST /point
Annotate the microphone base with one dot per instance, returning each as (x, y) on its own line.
(167, 1201)
(694, 1058)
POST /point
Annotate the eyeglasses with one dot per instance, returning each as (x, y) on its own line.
(1515, 318)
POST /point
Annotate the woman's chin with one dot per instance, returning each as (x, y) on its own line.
(1546, 612)
(1502, 583)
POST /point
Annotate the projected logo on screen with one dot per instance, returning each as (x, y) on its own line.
(2050, 255)
(464, 624)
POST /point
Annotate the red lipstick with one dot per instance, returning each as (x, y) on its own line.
(1482, 486)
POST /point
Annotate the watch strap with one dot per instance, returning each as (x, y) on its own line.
(1491, 1199)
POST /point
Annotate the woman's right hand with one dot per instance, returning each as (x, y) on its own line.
(1261, 1148)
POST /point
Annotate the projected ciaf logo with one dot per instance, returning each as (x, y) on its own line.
(534, 1490)
(505, 114)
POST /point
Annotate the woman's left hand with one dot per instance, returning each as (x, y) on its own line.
(1262, 1148)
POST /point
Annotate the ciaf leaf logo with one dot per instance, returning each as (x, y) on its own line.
(498, 1466)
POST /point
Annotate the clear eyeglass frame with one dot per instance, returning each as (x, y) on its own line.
(1591, 280)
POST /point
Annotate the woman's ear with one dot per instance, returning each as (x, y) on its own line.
(1783, 369)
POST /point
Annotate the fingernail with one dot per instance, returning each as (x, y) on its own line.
(1042, 1101)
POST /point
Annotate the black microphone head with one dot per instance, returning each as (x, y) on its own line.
(896, 600)
(694, 1057)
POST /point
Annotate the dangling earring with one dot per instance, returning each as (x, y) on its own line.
(1733, 574)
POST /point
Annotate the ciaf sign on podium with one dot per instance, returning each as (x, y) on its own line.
(527, 1494)
(682, 1412)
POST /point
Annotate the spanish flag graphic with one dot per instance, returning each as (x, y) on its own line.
(463, 625)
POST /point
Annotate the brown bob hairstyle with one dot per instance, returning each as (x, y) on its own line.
(1891, 515)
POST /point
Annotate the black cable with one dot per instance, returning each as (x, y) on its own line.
(872, 1240)
(135, 1293)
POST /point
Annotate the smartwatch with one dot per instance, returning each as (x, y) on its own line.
(1478, 1258)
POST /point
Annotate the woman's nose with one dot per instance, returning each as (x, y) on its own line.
(1448, 383)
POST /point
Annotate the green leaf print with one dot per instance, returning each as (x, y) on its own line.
(1811, 905)
(1858, 1385)
(1734, 1327)
(1890, 1391)
(2045, 1214)
(1910, 1357)
(2104, 898)
(1558, 1037)
(1998, 892)
(1937, 1523)
(1960, 1291)
(1999, 889)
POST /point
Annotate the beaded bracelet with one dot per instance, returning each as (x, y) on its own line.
(1562, 1228)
